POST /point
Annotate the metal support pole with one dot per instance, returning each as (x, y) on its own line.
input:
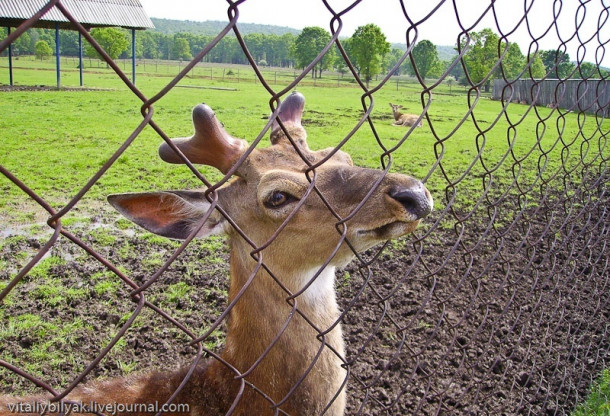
(133, 56)
(80, 57)
(10, 58)
(57, 63)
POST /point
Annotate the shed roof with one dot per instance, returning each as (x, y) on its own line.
(90, 13)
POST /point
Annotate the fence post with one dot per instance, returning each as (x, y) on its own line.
(80, 58)
(133, 56)
(57, 63)
(10, 58)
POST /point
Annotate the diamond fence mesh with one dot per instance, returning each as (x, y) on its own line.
(498, 304)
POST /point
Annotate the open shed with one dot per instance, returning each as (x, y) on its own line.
(128, 14)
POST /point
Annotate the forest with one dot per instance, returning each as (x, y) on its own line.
(367, 49)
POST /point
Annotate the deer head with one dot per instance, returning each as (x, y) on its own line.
(395, 107)
(303, 222)
(405, 119)
(271, 185)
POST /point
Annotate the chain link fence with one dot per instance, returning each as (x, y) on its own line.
(498, 305)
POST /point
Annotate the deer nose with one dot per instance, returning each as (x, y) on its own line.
(416, 200)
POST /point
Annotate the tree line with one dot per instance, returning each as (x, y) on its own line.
(367, 49)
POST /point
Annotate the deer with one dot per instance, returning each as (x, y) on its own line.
(284, 352)
(406, 120)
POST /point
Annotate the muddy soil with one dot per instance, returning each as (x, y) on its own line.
(472, 320)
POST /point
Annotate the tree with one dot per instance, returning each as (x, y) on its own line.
(308, 45)
(43, 50)
(368, 46)
(254, 42)
(391, 59)
(113, 41)
(233, 50)
(68, 40)
(537, 69)
(481, 56)
(270, 48)
(557, 64)
(150, 44)
(340, 63)
(181, 49)
(23, 44)
(425, 56)
(457, 71)
(586, 70)
(513, 62)
(284, 44)
(450, 81)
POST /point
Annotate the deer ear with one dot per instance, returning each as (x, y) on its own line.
(169, 214)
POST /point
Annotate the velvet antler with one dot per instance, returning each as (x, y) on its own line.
(210, 144)
(291, 111)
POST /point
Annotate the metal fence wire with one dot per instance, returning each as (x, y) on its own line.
(498, 304)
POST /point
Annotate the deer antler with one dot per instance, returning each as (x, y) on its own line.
(291, 111)
(210, 144)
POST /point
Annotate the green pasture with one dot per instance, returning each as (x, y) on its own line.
(56, 140)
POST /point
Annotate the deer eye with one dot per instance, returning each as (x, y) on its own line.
(278, 198)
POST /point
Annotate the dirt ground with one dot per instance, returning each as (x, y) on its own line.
(477, 319)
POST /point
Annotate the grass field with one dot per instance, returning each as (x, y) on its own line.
(55, 140)
(70, 134)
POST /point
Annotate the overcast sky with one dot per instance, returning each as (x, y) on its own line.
(441, 28)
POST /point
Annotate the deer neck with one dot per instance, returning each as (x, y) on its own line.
(397, 114)
(257, 321)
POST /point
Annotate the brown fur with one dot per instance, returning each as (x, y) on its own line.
(294, 257)
(407, 120)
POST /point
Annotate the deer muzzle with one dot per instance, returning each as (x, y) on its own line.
(415, 199)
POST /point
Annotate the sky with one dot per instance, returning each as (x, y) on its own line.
(441, 28)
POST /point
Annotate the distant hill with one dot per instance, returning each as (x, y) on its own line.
(168, 27)
(446, 52)
(213, 27)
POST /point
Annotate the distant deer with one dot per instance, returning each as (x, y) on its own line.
(275, 361)
(407, 120)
